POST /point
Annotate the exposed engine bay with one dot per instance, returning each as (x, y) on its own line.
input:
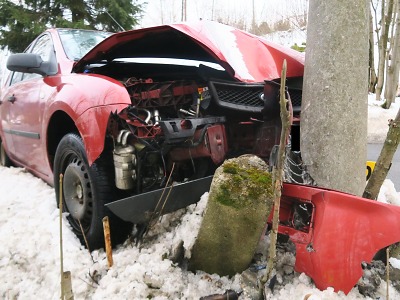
(187, 127)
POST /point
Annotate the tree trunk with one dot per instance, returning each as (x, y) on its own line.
(372, 74)
(392, 75)
(386, 20)
(335, 90)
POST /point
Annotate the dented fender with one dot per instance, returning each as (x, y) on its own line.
(92, 125)
(335, 232)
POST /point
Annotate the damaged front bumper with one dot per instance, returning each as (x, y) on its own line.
(142, 208)
(335, 232)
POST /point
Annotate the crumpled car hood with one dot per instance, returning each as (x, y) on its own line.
(244, 56)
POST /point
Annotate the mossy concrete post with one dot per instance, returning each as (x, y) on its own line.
(240, 201)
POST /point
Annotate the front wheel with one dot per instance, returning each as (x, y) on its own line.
(86, 190)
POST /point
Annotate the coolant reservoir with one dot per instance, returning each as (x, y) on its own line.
(125, 166)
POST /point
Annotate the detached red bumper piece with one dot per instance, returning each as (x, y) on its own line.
(335, 232)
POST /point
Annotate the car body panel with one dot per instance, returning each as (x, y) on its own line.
(76, 93)
(26, 129)
(344, 231)
(24, 122)
(246, 57)
(89, 100)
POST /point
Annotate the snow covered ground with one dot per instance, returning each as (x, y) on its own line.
(378, 119)
(30, 257)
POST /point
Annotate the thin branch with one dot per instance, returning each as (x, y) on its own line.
(278, 173)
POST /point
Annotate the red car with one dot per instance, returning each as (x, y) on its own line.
(141, 106)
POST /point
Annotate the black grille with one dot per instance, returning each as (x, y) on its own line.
(249, 97)
(295, 97)
(239, 96)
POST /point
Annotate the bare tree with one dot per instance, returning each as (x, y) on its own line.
(386, 19)
(161, 12)
(393, 136)
(372, 74)
(393, 67)
(334, 108)
(183, 16)
(384, 160)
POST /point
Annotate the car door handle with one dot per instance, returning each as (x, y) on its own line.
(11, 99)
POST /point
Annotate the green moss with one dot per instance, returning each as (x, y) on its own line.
(232, 194)
(230, 168)
(300, 48)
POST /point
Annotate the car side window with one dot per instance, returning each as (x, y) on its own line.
(16, 77)
(43, 47)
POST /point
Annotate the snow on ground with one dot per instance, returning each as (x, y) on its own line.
(288, 38)
(30, 263)
(378, 118)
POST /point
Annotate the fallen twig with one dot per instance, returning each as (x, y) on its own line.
(107, 241)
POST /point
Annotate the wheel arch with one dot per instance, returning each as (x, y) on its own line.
(84, 102)
(59, 125)
(91, 126)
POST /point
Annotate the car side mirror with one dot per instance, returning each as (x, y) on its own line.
(29, 63)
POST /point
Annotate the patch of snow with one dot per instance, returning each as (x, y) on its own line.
(378, 118)
(395, 263)
(288, 38)
(30, 266)
(388, 194)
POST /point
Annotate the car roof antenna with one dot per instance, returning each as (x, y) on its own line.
(119, 25)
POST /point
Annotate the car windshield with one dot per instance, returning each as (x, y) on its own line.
(77, 42)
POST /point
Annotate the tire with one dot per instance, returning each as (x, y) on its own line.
(4, 159)
(86, 190)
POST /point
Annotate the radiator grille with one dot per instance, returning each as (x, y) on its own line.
(295, 97)
(248, 97)
(239, 96)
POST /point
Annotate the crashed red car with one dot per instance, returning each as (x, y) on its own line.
(123, 115)
(138, 107)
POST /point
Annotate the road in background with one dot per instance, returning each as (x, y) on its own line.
(373, 151)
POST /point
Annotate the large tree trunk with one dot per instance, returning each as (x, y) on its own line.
(392, 75)
(386, 19)
(335, 90)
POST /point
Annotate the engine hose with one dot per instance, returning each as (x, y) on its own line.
(200, 140)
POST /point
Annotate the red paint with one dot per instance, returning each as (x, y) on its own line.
(262, 59)
(213, 145)
(87, 99)
(344, 231)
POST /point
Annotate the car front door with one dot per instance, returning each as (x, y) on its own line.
(27, 96)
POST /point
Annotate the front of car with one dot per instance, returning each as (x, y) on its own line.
(142, 106)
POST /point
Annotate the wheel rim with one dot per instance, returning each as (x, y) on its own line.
(78, 194)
